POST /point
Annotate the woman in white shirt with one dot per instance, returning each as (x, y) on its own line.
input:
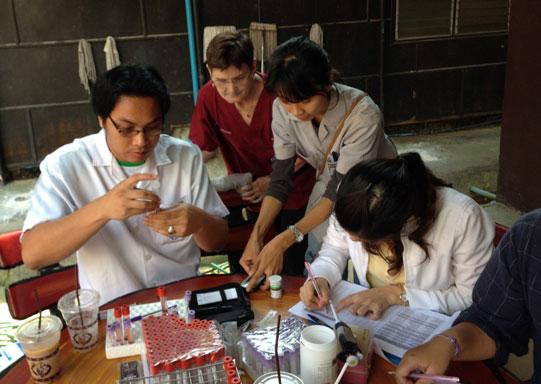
(412, 240)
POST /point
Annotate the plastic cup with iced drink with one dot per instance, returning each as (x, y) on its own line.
(40, 345)
(81, 318)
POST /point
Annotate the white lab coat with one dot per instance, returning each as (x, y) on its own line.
(124, 256)
(460, 245)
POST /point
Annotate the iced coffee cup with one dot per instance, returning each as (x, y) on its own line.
(82, 321)
(40, 345)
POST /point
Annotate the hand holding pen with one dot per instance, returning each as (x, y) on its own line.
(315, 292)
(434, 379)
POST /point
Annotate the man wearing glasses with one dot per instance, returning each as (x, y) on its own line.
(134, 204)
(234, 114)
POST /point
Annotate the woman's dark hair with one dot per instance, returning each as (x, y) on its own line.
(128, 80)
(230, 48)
(299, 69)
(377, 198)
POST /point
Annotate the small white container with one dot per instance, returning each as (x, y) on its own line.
(318, 355)
(276, 286)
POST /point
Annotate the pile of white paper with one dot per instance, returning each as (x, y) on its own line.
(399, 329)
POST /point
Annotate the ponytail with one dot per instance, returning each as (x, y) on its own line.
(424, 185)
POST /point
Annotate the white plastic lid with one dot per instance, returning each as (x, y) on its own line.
(88, 298)
(29, 332)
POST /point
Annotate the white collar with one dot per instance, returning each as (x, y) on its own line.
(102, 156)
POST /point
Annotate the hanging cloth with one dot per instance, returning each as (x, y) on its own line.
(210, 32)
(112, 58)
(316, 34)
(87, 68)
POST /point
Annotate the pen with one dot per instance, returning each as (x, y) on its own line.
(318, 321)
(322, 315)
(6, 354)
(435, 378)
(311, 277)
(336, 318)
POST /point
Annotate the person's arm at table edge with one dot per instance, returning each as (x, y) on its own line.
(434, 356)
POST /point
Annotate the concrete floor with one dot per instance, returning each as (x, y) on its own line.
(463, 158)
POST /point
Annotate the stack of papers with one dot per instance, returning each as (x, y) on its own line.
(399, 329)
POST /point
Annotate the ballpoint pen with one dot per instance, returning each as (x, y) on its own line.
(311, 276)
(318, 321)
(334, 312)
(324, 315)
(436, 379)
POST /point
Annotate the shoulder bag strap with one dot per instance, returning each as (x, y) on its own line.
(338, 131)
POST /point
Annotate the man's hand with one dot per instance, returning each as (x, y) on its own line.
(431, 358)
(309, 297)
(255, 191)
(124, 200)
(372, 302)
(249, 256)
(185, 219)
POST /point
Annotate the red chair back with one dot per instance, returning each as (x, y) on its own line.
(51, 284)
(10, 250)
(500, 231)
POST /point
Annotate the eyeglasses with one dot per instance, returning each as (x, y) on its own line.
(220, 83)
(129, 132)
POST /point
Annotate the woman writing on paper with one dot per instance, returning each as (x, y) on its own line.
(412, 240)
(331, 126)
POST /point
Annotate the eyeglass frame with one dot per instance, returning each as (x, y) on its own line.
(133, 132)
(220, 83)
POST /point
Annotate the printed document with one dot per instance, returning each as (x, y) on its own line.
(399, 329)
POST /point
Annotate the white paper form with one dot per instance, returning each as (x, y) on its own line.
(399, 329)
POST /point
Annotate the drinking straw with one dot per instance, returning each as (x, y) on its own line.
(276, 350)
(36, 297)
(77, 296)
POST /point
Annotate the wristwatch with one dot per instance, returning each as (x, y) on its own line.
(403, 296)
(298, 234)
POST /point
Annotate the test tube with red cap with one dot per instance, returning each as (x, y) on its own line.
(185, 365)
(230, 365)
(170, 369)
(162, 294)
(231, 375)
(126, 323)
(200, 362)
(119, 335)
(217, 355)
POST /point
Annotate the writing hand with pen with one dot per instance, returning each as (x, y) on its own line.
(309, 295)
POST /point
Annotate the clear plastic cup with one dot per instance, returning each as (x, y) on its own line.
(40, 346)
(82, 322)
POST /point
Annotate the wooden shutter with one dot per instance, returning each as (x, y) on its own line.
(423, 18)
(479, 16)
